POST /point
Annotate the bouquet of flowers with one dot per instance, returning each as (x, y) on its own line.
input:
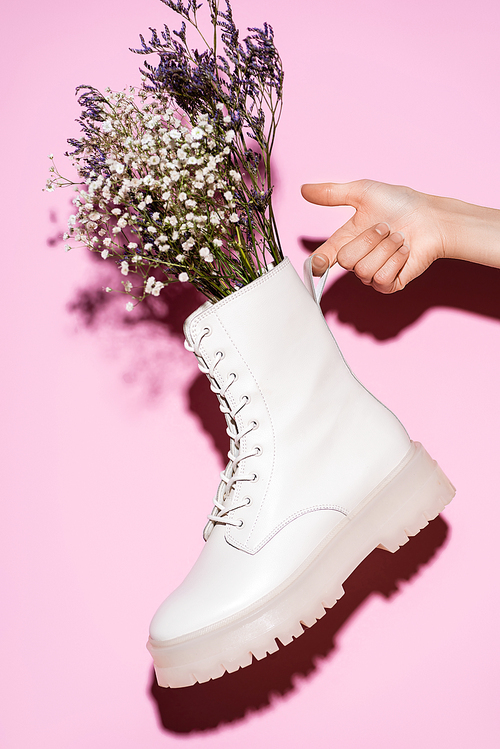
(176, 174)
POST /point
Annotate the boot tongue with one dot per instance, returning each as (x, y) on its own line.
(189, 320)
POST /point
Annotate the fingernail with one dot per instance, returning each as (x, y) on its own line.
(382, 229)
(319, 263)
(404, 250)
(397, 237)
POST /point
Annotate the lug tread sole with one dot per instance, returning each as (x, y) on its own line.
(255, 636)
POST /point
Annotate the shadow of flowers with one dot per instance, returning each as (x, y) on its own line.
(91, 303)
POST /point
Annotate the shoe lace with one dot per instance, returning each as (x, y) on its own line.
(231, 475)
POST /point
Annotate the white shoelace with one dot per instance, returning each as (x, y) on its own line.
(229, 476)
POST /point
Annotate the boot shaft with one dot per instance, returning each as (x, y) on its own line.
(292, 405)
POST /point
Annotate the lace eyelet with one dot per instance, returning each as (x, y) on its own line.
(255, 424)
(254, 478)
(241, 523)
(233, 375)
(248, 501)
(207, 330)
(258, 450)
(220, 354)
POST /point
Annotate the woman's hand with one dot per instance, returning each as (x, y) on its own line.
(395, 234)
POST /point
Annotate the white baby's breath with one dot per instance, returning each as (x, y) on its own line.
(166, 201)
(155, 291)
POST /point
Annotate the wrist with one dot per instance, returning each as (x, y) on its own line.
(469, 232)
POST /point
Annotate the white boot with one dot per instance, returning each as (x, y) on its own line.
(320, 474)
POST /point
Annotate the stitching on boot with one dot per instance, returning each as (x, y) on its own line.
(331, 508)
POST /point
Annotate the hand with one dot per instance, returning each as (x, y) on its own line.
(395, 234)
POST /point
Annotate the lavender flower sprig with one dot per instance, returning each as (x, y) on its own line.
(172, 186)
(248, 80)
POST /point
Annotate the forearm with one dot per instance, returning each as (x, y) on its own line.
(469, 232)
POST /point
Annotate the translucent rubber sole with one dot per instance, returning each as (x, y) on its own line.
(412, 495)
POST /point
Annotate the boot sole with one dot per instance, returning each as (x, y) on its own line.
(382, 520)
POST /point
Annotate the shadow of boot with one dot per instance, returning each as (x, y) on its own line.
(205, 407)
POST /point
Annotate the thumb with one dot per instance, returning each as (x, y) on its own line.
(331, 193)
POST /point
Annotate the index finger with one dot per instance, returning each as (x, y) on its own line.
(333, 245)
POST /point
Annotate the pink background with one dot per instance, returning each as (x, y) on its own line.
(109, 446)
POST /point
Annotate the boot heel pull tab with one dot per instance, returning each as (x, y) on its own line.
(315, 290)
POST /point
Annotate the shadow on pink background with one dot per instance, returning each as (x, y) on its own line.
(112, 441)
